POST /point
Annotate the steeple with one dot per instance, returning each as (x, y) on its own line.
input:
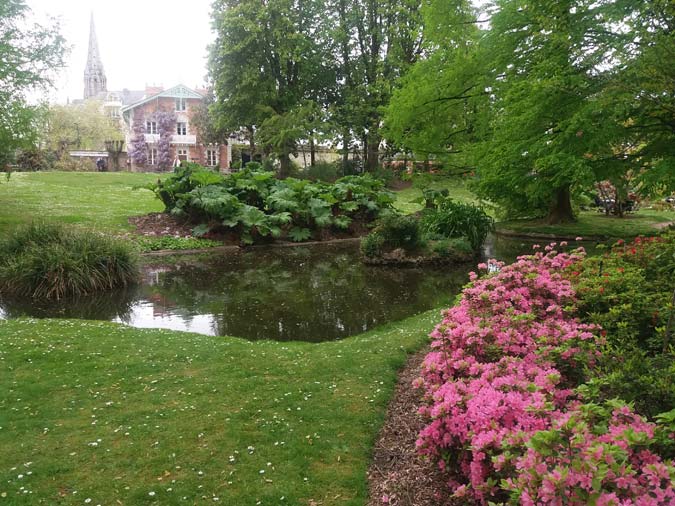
(94, 75)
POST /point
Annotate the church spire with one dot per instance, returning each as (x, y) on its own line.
(94, 75)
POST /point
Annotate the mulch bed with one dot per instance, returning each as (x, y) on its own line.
(159, 224)
(398, 476)
(163, 224)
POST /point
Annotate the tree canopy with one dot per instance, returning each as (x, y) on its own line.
(539, 97)
(79, 126)
(29, 55)
(292, 71)
(547, 97)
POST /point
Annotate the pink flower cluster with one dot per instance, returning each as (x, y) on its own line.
(503, 369)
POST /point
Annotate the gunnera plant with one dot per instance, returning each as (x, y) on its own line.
(46, 261)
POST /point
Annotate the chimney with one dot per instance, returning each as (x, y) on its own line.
(153, 90)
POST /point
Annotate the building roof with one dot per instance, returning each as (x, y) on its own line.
(179, 91)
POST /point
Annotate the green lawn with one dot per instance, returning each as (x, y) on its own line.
(594, 224)
(456, 187)
(101, 201)
(104, 201)
(589, 224)
(117, 415)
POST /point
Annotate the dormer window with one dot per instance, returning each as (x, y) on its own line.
(180, 104)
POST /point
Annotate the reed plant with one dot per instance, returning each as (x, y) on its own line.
(50, 261)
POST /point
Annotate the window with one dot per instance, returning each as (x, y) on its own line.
(180, 104)
(181, 128)
(152, 156)
(211, 157)
(151, 127)
(182, 153)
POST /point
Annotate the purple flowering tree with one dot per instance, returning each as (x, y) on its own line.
(166, 125)
(138, 148)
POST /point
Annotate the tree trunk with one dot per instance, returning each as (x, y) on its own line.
(312, 151)
(284, 166)
(373, 152)
(364, 157)
(561, 208)
(346, 137)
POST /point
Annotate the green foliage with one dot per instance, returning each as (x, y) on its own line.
(79, 126)
(149, 243)
(29, 56)
(448, 248)
(628, 292)
(297, 234)
(372, 245)
(256, 204)
(320, 171)
(538, 111)
(646, 381)
(445, 217)
(32, 160)
(399, 231)
(51, 262)
(440, 103)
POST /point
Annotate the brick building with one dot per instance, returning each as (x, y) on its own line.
(150, 148)
(143, 113)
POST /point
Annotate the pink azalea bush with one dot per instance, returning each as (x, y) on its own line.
(500, 395)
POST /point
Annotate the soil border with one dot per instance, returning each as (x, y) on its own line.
(398, 475)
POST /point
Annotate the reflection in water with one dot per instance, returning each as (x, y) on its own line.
(315, 293)
(107, 306)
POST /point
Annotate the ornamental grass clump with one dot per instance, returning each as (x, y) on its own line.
(506, 419)
(45, 261)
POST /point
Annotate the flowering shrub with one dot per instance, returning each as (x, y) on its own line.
(500, 392)
(628, 292)
(138, 147)
(591, 455)
(166, 125)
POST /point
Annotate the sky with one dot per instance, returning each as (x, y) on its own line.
(141, 42)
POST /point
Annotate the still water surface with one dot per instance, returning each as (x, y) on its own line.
(308, 293)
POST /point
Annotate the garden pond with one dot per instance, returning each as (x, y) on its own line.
(308, 293)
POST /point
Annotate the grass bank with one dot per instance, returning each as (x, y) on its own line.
(457, 188)
(95, 200)
(594, 224)
(99, 413)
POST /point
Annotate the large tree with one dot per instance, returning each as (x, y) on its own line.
(29, 55)
(79, 126)
(548, 59)
(551, 96)
(641, 93)
(437, 110)
(298, 70)
(376, 42)
(265, 67)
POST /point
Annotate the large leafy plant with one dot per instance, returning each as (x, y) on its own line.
(445, 217)
(256, 204)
